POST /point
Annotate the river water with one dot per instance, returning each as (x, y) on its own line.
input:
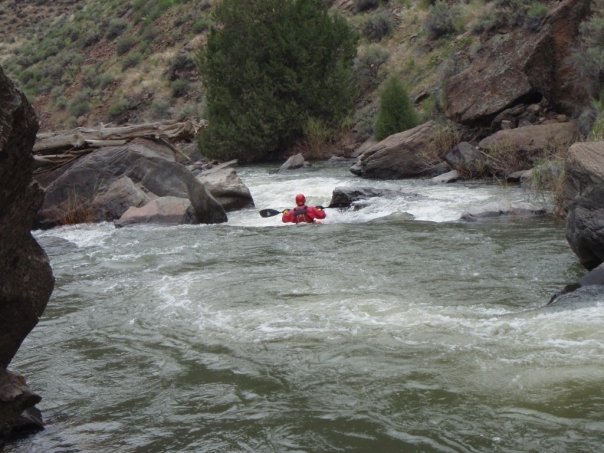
(362, 334)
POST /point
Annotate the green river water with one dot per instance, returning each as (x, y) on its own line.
(363, 334)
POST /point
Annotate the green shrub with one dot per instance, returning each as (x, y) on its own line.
(597, 128)
(201, 24)
(115, 28)
(317, 134)
(179, 88)
(264, 78)
(80, 105)
(116, 111)
(378, 26)
(131, 60)
(592, 48)
(367, 67)
(363, 120)
(396, 113)
(159, 109)
(441, 20)
(512, 13)
(124, 44)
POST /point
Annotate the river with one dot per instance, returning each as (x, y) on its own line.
(361, 334)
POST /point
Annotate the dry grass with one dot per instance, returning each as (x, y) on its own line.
(77, 210)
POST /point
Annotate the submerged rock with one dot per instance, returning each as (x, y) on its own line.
(594, 280)
(344, 197)
(495, 210)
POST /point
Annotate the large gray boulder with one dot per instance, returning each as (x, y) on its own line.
(163, 210)
(522, 65)
(79, 193)
(409, 154)
(227, 187)
(26, 280)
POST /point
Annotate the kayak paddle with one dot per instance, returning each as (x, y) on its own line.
(269, 212)
(273, 212)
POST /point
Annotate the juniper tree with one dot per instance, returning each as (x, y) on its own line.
(268, 68)
(396, 113)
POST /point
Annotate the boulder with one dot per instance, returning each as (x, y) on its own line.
(151, 168)
(593, 278)
(227, 187)
(26, 280)
(163, 210)
(520, 66)
(119, 196)
(466, 159)
(583, 169)
(409, 154)
(293, 163)
(446, 178)
(520, 148)
(585, 226)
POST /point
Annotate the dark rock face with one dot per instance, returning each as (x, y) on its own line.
(521, 66)
(27, 281)
(585, 227)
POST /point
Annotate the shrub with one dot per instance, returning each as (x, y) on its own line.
(597, 128)
(317, 134)
(367, 67)
(377, 26)
(294, 64)
(396, 114)
(588, 59)
(441, 20)
(116, 111)
(364, 120)
(131, 60)
(80, 105)
(124, 44)
(115, 28)
(179, 88)
(160, 109)
(511, 13)
(202, 24)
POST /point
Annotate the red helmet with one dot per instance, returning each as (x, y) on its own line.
(300, 199)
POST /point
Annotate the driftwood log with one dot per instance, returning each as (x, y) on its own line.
(55, 149)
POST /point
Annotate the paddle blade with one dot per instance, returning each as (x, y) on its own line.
(269, 212)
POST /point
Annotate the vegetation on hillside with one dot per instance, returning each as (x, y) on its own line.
(90, 61)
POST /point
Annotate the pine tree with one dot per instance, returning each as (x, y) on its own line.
(396, 114)
(268, 67)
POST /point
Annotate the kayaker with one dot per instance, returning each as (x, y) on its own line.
(302, 213)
